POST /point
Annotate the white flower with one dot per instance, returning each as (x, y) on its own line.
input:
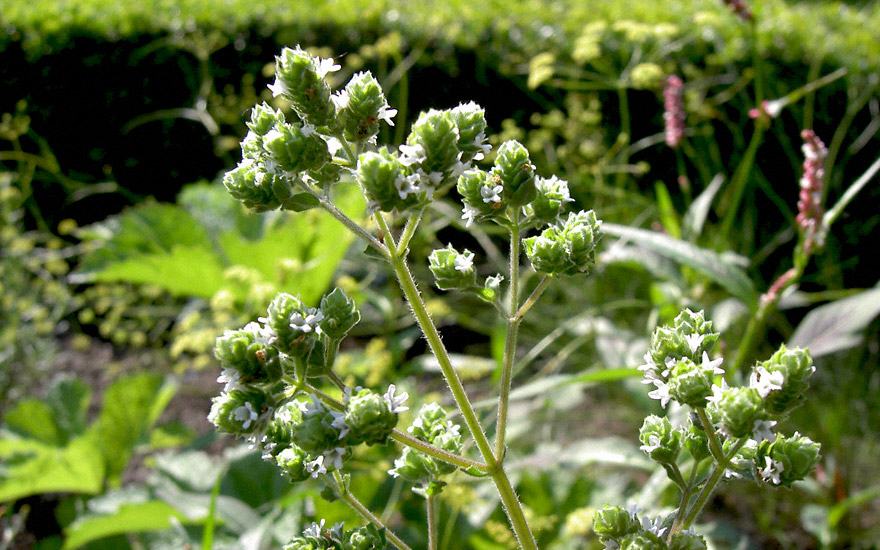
(315, 407)
(372, 207)
(307, 323)
(714, 365)
(771, 471)
(761, 430)
(337, 529)
(307, 129)
(262, 334)
(407, 185)
(491, 194)
(334, 457)
(412, 154)
(494, 281)
(314, 530)
(765, 382)
(386, 114)
(278, 88)
(398, 463)
(653, 444)
(718, 391)
(464, 262)
(326, 66)
(316, 467)
(246, 415)
(339, 423)
(694, 341)
(232, 379)
(340, 99)
(653, 526)
(661, 393)
(333, 146)
(395, 402)
(469, 213)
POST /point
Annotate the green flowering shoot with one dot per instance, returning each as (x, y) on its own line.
(566, 248)
(432, 427)
(452, 269)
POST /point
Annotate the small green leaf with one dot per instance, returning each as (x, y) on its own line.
(711, 264)
(32, 468)
(137, 517)
(668, 215)
(695, 217)
(33, 418)
(69, 400)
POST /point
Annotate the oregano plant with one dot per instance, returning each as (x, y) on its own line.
(280, 388)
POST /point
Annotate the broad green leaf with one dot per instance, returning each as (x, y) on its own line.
(33, 418)
(69, 400)
(131, 406)
(137, 517)
(838, 325)
(141, 231)
(32, 468)
(215, 210)
(250, 479)
(183, 271)
(715, 266)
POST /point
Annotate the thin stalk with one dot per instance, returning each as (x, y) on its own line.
(740, 179)
(710, 485)
(685, 499)
(432, 521)
(362, 510)
(533, 297)
(412, 222)
(436, 452)
(714, 444)
(505, 490)
(510, 338)
(625, 129)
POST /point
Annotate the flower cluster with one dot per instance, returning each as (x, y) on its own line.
(741, 9)
(316, 537)
(812, 184)
(432, 427)
(618, 529)
(680, 369)
(269, 363)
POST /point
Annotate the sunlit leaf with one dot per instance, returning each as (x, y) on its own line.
(838, 325)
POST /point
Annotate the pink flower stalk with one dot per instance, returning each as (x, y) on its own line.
(740, 8)
(809, 204)
(673, 115)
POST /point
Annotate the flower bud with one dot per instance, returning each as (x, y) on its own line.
(295, 149)
(452, 269)
(470, 119)
(369, 419)
(241, 412)
(340, 314)
(515, 172)
(279, 432)
(551, 196)
(786, 460)
(367, 537)
(292, 461)
(690, 336)
(363, 105)
(299, 78)
(317, 433)
(614, 523)
(431, 427)
(660, 440)
(437, 134)
(738, 409)
(378, 174)
(250, 183)
(696, 441)
(643, 540)
(566, 248)
(783, 379)
(482, 196)
(689, 383)
(294, 324)
(264, 118)
(687, 541)
(248, 352)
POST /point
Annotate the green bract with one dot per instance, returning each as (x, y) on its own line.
(614, 523)
(340, 314)
(687, 541)
(248, 351)
(452, 269)
(295, 149)
(381, 177)
(738, 409)
(363, 105)
(292, 461)
(551, 196)
(264, 118)
(660, 440)
(436, 134)
(470, 119)
(515, 172)
(299, 78)
(431, 427)
(566, 248)
(783, 379)
(690, 383)
(294, 324)
(643, 540)
(316, 433)
(787, 459)
(251, 184)
(369, 419)
(690, 335)
(241, 412)
(482, 197)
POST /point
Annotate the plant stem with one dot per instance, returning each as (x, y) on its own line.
(740, 179)
(362, 510)
(710, 485)
(509, 342)
(432, 521)
(533, 297)
(505, 490)
(436, 452)
(714, 444)
(685, 498)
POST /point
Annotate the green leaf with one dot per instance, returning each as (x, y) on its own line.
(137, 517)
(33, 418)
(131, 407)
(696, 215)
(838, 325)
(69, 399)
(715, 266)
(668, 215)
(32, 468)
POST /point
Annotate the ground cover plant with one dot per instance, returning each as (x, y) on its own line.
(468, 235)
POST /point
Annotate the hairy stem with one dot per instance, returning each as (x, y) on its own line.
(510, 337)
(711, 484)
(339, 489)
(436, 452)
(432, 521)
